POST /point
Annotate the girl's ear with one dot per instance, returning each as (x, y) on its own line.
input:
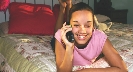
(93, 28)
(94, 25)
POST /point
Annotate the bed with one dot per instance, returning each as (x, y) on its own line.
(25, 40)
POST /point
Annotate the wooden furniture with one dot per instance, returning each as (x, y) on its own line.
(104, 7)
(119, 16)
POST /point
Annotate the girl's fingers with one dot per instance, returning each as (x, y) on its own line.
(64, 24)
(64, 30)
(67, 30)
(63, 34)
(65, 27)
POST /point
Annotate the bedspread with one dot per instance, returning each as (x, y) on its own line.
(121, 36)
(28, 53)
(33, 53)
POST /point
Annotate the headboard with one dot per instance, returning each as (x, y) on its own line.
(103, 7)
(4, 16)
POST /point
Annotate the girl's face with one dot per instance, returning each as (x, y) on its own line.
(82, 27)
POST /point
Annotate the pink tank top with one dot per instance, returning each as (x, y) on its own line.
(87, 55)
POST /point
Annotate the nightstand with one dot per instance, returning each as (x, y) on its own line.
(119, 16)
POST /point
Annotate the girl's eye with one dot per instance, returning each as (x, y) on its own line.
(87, 26)
(76, 25)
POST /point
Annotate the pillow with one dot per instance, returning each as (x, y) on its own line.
(102, 18)
(4, 27)
(4, 4)
(33, 19)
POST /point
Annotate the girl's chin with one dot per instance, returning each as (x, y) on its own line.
(81, 45)
(82, 42)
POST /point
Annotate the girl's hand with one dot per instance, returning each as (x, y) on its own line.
(64, 30)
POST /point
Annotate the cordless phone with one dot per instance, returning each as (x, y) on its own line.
(69, 35)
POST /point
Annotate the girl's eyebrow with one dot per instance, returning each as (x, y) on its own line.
(75, 21)
(87, 21)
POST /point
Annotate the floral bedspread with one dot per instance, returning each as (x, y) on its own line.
(121, 36)
(35, 51)
(4, 66)
(24, 53)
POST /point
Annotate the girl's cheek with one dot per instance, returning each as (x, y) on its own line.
(89, 30)
(74, 30)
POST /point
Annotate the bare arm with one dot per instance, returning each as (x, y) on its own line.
(113, 58)
(63, 58)
(64, 54)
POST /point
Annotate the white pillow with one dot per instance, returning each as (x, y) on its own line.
(102, 18)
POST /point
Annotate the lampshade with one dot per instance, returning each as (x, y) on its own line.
(4, 4)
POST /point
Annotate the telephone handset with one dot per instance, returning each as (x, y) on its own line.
(69, 35)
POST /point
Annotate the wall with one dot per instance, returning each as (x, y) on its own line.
(124, 4)
(117, 4)
(5, 17)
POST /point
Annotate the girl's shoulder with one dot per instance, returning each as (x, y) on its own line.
(58, 32)
(98, 32)
(99, 36)
(58, 35)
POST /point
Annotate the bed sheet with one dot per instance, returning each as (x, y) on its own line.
(24, 53)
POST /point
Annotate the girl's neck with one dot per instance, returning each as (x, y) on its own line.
(82, 46)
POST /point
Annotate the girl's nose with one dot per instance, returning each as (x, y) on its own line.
(82, 29)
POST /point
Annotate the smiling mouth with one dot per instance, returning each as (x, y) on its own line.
(81, 37)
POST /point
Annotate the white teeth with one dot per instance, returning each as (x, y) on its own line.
(81, 37)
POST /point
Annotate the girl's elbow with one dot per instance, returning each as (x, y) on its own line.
(63, 70)
(123, 69)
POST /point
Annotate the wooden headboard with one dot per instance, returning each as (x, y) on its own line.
(103, 7)
(95, 5)
(4, 16)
